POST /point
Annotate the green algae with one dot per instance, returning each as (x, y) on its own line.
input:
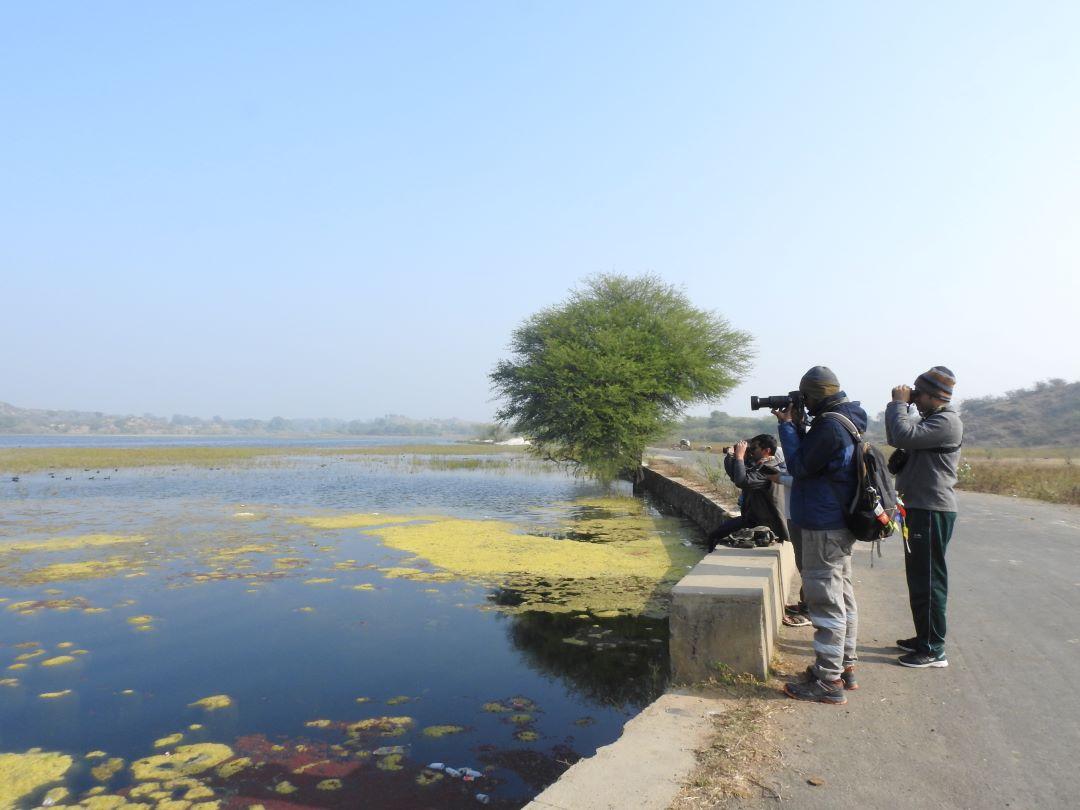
(356, 521)
(526, 735)
(520, 719)
(383, 726)
(70, 571)
(428, 777)
(186, 760)
(58, 661)
(397, 700)
(318, 580)
(233, 767)
(317, 724)
(442, 731)
(54, 695)
(329, 784)
(170, 740)
(212, 703)
(107, 770)
(367, 586)
(285, 788)
(495, 707)
(24, 774)
(391, 762)
(74, 543)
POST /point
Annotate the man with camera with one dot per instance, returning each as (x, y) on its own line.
(820, 459)
(751, 465)
(925, 462)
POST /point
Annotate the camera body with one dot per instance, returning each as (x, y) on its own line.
(778, 403)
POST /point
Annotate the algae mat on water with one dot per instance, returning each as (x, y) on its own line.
(624, 564)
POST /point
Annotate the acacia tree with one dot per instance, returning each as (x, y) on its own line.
(596, 378)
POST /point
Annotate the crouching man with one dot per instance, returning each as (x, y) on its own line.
(751, 466)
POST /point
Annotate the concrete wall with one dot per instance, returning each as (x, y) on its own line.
(726, 613)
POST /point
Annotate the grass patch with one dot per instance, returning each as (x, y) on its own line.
(37, 459)
(1042, 480)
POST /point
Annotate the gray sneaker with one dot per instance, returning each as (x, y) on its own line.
(923, 660)
(908, 644)
(817, 690)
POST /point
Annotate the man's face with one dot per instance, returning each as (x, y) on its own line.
(754, 453)
(922, 401)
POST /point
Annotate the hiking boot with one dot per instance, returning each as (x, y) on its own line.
(796, 620)
(848, 677)
(817, 690)
(908, 644)
(923, 660)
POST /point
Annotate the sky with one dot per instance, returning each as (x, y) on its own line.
(339, 209)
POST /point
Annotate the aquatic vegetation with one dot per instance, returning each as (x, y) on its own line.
(186, 760)
(96, 755)
(55, 695)
(30, 607)
(75, 543)
(441, 731)
(233, 767)
(398, 700)
(623, 572)
(213, 703)
(291, 562)
(428, 777)
(391, 762)
(357, 521)
(495, 706)
(520, 719)
(526, 735)
(59, 660)
(383, 726)
(87, 569)
(19, 665)
(26, 656)
(285, 788)
(170, 740)
(317, 724)
(367, 586)
(318, 580)
(305, 609)
(363, 700)
(24, 774)
(65, 645)
(107, 770)
(55, 796)
(329, 784)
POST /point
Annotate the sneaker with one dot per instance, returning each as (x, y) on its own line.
(848, 677)
(923, 660)
(796, 620)
(817, 690)
(792, 610)
(908, 644)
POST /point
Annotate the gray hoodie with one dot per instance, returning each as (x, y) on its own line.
(928, 477)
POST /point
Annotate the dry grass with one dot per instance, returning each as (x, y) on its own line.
(743, 750)
(1055, 480)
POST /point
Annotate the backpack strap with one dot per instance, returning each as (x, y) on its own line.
(843, 420)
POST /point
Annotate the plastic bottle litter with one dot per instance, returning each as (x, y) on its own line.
(454, 772)
(437, 766)
(471, 773)
(483, 798)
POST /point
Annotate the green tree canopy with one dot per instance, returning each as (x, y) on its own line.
(596, 378)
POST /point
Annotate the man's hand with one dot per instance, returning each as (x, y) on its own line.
(740, 449)
(902, 393)
(782, 415)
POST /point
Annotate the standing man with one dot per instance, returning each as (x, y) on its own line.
(926, 482)
(821, 463)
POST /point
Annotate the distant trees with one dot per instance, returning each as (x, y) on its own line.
(596, 378)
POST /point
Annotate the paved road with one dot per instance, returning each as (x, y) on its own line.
(1000, 727)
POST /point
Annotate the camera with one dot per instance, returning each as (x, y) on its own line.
(778, 403)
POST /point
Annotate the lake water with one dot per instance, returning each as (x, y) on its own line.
(359, 619)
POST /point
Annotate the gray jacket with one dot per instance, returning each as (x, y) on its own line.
(928, 477)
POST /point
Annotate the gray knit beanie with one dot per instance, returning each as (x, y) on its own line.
(818, 383)
(937, 382)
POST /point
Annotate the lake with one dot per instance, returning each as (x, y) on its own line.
(324, 630)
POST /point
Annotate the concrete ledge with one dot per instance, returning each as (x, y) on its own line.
(727, 611)
(644, 768)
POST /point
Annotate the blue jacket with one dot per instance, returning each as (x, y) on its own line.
(822, 466)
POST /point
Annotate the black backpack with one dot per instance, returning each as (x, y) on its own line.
(871, 514)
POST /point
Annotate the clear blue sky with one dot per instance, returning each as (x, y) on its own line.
(343, 209)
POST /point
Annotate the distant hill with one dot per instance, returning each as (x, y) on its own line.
(1048, 414)
(28, 421)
